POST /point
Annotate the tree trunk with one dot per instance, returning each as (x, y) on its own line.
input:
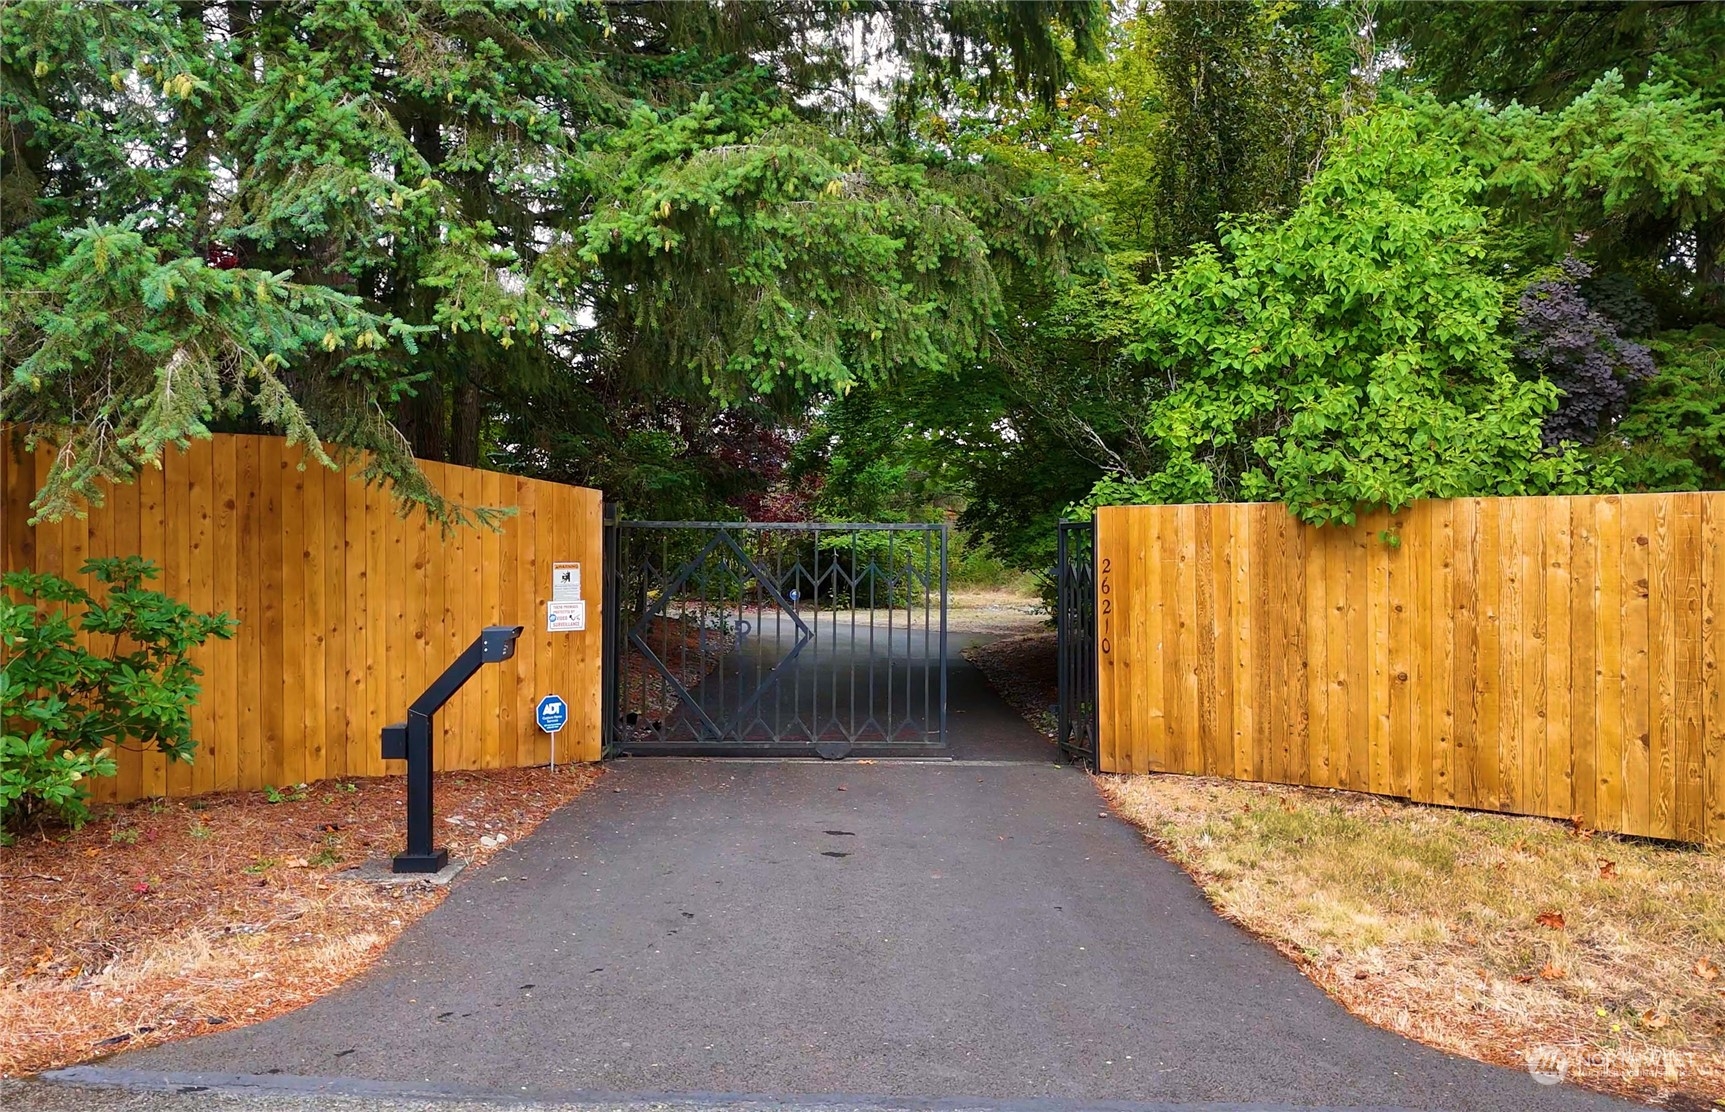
(424, 420)
(464, 436)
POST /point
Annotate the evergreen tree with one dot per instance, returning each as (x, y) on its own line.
(363, 223)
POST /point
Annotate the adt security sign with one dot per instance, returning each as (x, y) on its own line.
(553, 715)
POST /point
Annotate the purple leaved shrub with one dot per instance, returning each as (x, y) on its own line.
(1581, 350)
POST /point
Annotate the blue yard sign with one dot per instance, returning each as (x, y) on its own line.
(553, 714)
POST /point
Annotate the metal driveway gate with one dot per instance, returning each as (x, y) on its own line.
(1075, 625)
(746, 639)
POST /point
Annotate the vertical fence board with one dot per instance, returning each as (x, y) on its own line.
(1292, 666)
(1713, 668)
(1371, 665)
(151, 489)
(552, 527)
(313, 551)
(1553, 764)
(1415, 671)
(295, 666)
(1189, 726)
(1441, 652)
(1487, 676)
(272, 570)
(360, 716)
(1611, 740)
(199, 592)
(494, 551)
(1252, 703)
(380, 643)
(116, 533)
(1353, 680)
(520, 725)
(1150, 625)
(1530, 760)
(1204, 603)
(1687, 540)
(1583, 658)
(179, 580)
(1662, 635)
(221, 662)
(337, 696)
(1638, 661)
(1318, 626)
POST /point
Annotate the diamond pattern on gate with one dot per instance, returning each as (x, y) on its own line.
(705, 727)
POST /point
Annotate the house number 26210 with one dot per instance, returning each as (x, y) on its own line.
(1105, 591)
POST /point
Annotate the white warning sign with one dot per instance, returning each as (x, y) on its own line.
(565, 617)
(565, 582)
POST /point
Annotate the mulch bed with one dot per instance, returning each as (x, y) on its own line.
(167, 918)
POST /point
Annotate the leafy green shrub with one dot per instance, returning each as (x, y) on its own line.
(65, 705)
(1355, 354)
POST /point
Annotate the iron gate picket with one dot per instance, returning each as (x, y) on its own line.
(1075, 626)
(770, 639)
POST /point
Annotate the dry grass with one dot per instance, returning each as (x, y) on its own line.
(165, 919)
(995, 610)
(1510, 940)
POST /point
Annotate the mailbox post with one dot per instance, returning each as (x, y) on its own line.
(411, 741)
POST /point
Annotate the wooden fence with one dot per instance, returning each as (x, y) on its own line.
(347, 610)
(1544, 656)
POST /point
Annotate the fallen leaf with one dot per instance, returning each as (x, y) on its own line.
(1607, 869)
(1552, 920)
(92, 851)
(1523, 978)
(1652, 1020)
(1706, 970)
(1552, 972)
(1360, 974)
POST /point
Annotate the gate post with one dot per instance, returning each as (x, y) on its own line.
(610, 652)
(943, 586)
(1075, 638)
(1062, 708)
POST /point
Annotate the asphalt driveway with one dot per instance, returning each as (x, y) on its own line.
(965, 929)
